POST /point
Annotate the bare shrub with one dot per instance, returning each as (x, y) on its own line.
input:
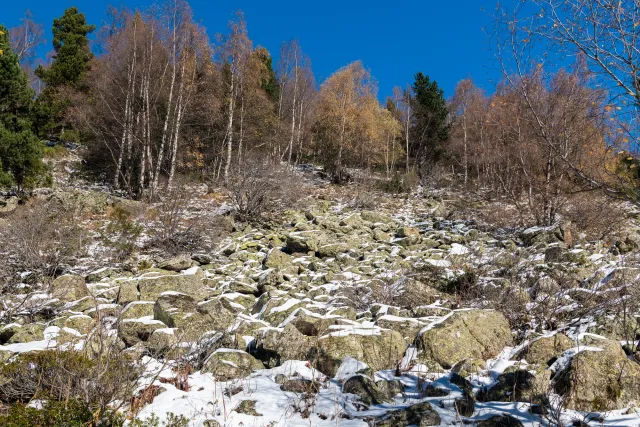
(400, 183)
(122, 232)
(259, 187)
(597, 216)
(41, 238)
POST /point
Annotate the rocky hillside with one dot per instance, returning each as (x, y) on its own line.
(334, 315)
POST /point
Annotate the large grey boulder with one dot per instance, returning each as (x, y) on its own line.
(69, 288)
(480, 334)
(226, 364)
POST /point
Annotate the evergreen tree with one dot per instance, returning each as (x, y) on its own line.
(430, 128)
(71, 46)
(70, 62)
(20, 150)
(268, 81)
(16, 96)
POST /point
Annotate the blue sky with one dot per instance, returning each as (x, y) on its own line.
(395, 39)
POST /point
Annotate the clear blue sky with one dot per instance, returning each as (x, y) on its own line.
(395, 39)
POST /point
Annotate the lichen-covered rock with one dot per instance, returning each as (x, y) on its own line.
(138, 309)
(69, 288)
(380, 351)
(128, 292)
(543, 350)
(226, 364)
(364, 387)
(519, 385)
(300, 385)
(248, 407)
(27, 333)
(273, 347)
(306, 241)
(277, 259)
(161, 341)
(171, 308)
(479, 334)
(421, 414)
(376, 217)
(469, 367)
(600, 380)
(133, 331)
(407, 326)
(178, 263)
(500, 421)
(151, 285)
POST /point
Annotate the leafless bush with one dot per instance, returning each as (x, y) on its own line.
(40, 237)
(258, 187)
(173, 230)
(597, 216)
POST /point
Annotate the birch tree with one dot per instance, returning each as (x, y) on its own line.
(234, 56)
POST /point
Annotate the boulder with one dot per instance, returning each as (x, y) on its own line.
(171, 308)
(375, 217)
(151, 285)
(273, 346)
(248, 407)
(133, 331)
(27, 333)
(69, 288)
(161, 341)
(138, 309)
(500, 421)
(177, 263)
(599, 380)
(218, 316)
(127, 292)
(519, 385)
(544, 350)
(364, 387)
(306, 241)
(379, 351)
(300, 385)
(421, 415)
(480, 334)
(226, 364)
(277, 259)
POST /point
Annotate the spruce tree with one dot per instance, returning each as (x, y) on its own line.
(430, 127)
(16, 96)
(20, 149)
(70, 62)
(71, 46)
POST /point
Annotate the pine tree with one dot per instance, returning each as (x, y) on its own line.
(16, 96)
(430, 127)
(269, 81)
(70, 62)
(20, 150)
(71, 46)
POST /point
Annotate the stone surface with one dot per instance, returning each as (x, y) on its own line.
(226, 364)
(479, 334)
(378, 351)
(69, 288)
(600, 380)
